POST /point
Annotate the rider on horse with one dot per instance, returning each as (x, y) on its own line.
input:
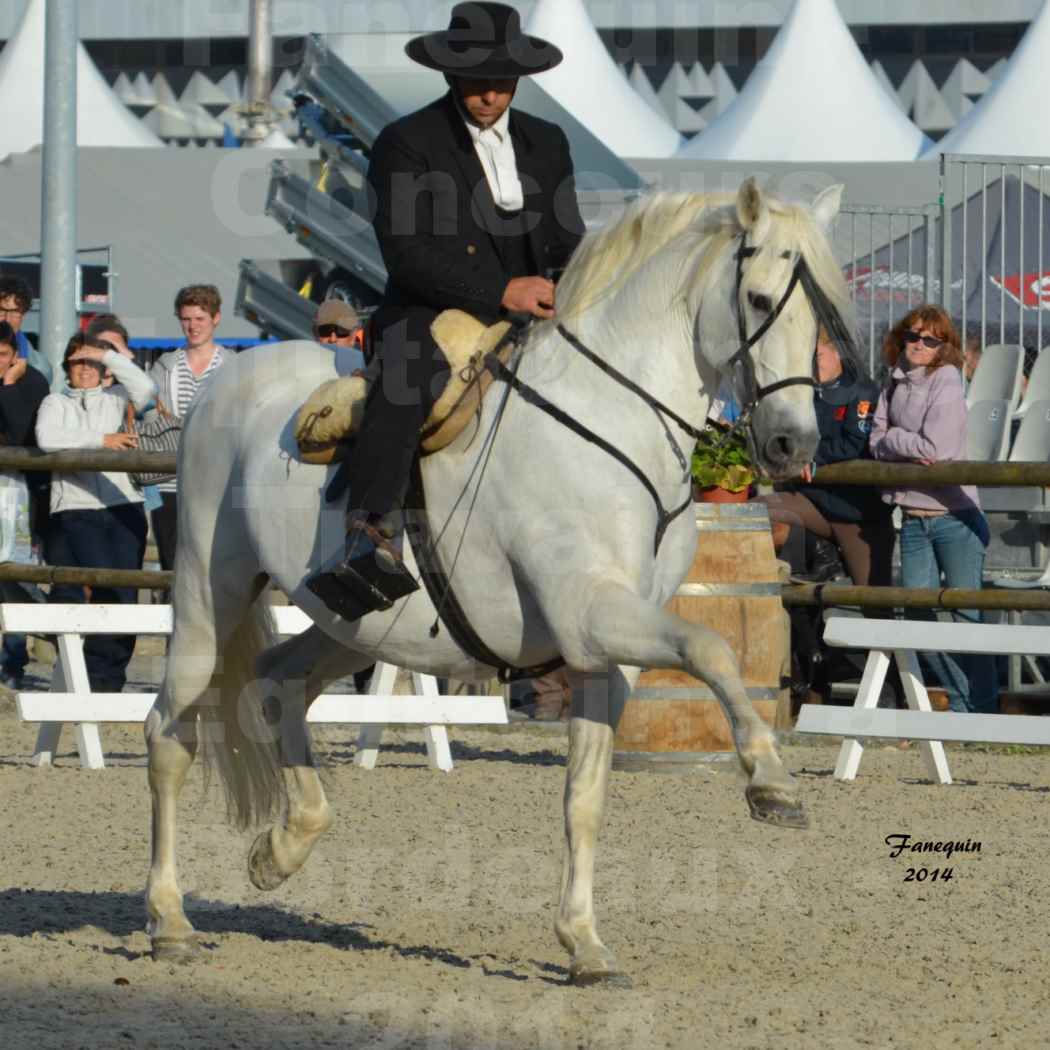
(475, 210)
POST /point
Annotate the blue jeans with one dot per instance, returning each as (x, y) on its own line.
(953, 545)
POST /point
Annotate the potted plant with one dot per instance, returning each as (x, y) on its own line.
(721, 467)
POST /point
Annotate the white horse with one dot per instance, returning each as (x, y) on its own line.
(560, 546)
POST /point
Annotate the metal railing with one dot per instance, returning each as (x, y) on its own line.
(891, 265)
(996, 282)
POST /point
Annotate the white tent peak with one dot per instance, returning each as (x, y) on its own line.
(723, 90)
(144, 93)
(102, 119)
(811, 98)
(639, 80)
(922, 101)
(587, 84)
(700, 85)
(1006, 119)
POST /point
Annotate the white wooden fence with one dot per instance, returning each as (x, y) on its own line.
(901, 640)
(71, 699)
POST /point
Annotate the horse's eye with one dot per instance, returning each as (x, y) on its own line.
(760, 302)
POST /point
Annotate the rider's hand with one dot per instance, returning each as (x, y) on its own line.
(530, 295)
(807, 473)
(120, 441)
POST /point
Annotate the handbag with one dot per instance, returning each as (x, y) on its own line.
(160, 434)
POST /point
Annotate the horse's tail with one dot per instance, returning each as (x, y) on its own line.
(243, 747)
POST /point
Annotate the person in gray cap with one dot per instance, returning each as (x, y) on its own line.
(475, 209)
(336, 324)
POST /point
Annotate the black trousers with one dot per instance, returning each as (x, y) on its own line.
(107, 538)
(164, 520)
(413, 374)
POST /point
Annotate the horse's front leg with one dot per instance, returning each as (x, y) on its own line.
(597, 702)
(623, 628)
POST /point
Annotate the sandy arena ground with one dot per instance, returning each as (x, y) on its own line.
(424, 918)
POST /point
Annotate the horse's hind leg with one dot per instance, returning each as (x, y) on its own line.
(597, 701)
(207, 626)
(171, 740)
(297, 672)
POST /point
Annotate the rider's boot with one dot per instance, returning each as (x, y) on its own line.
(372, 575)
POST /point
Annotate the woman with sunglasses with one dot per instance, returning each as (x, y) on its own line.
(921, 418)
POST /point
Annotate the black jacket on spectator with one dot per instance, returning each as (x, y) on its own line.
(19, 404)
(845, 409)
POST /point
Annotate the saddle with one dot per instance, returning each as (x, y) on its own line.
(333, 412)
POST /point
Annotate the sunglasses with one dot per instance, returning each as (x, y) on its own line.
(931, 342)
(326, 330)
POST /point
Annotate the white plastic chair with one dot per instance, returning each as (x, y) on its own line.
(1038, 388)
(1031, 445)
(988, 430)
(998, 376)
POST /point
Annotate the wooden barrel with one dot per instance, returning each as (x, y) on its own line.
(673, 721)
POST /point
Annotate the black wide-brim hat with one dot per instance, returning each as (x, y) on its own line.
(484, 40)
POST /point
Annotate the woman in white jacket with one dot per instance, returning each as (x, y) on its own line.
(97, 519)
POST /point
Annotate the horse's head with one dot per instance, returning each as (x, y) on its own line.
(757, 319)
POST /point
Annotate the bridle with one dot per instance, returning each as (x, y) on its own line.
(741, 365)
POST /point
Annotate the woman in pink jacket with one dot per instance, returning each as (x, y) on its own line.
(921, 418)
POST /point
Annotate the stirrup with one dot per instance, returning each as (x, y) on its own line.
(371, 578)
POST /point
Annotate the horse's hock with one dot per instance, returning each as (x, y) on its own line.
(672, 720)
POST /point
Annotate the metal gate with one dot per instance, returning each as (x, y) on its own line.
(995, 247)
(892, 265)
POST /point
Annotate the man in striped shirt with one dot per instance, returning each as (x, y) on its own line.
(180, 376)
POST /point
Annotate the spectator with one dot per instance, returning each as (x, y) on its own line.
(22, 389)
(110, 329)
(97, 520)
(180, 376)
(849, 519)
(337, 324)
(971, 357)
(921, 418)
(15, 301)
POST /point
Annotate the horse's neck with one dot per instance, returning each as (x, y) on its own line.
(650, 340)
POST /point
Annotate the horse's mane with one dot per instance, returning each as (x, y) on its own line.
(607, 258)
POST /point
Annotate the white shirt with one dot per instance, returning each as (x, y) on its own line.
(496, 152)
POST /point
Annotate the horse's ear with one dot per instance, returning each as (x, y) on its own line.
(753, 211)
(826, 205)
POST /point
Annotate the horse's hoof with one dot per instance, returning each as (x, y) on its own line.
(619, 981)
(181, 951)
(773, 807)
(262, 870)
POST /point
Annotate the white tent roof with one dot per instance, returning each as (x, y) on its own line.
(965, 83)
(102, 119)
(922, 101)
(643, 86)
(1007, 118)
(723, 90)
(588, 85)
(812, 98)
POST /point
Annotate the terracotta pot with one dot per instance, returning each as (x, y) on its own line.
(716, 494)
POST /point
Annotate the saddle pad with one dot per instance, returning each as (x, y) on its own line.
(333, 412)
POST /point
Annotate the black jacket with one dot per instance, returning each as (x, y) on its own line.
(19, 404)
(845, 410)
(435, 217)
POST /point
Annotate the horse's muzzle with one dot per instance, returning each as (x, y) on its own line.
(782, 446)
